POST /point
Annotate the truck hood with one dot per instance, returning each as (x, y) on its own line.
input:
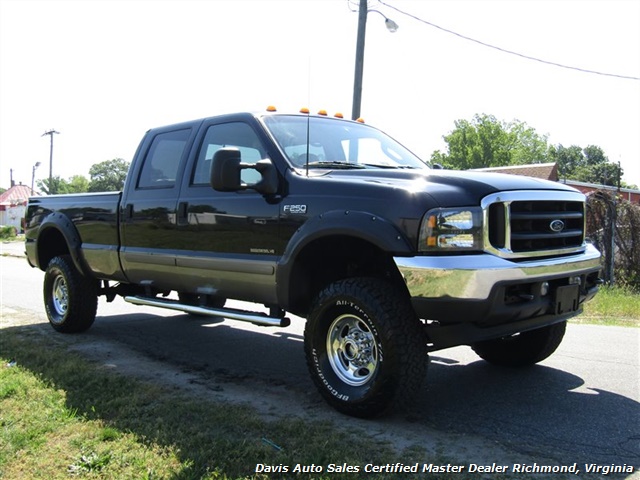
(447, 187)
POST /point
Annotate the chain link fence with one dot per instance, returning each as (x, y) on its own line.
(613, 225)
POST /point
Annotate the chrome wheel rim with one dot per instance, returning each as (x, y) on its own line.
(352, 350)
(60, 296)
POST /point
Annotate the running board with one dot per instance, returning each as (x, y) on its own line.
(230, 313)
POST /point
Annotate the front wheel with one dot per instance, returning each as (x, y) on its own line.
(70, 298)
(365, 348)
(523, 349)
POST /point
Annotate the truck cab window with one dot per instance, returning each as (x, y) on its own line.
(235, 134)
(161, 163)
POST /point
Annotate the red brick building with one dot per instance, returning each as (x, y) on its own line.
(546, 171)
(549, 171)
(627, 194)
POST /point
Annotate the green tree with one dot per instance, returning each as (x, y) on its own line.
(528, 146)
(57, 185)
(78, 184)
(589, 164)
(594, 155)
(108, 176)
(75, 184)
(567, 158)
(487, 142)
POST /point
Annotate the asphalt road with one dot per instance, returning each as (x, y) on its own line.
(580, 405)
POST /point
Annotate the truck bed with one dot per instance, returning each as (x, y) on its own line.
(95, 217)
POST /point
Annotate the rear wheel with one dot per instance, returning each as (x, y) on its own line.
(70, 298)
(523, 349)
(365, 348)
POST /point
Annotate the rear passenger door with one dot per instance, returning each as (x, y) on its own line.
(148, 211)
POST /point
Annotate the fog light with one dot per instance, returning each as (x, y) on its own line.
(544, 288)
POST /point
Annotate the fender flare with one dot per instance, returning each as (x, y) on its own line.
(357, 224)
(63, 225)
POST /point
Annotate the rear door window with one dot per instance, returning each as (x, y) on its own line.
(162, 161)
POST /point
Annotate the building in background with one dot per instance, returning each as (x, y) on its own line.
(549, 171)
(13, 204)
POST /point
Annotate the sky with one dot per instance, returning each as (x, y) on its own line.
(103, 72)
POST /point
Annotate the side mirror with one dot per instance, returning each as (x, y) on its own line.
(225, 170)
(226, 173)
(269, 183)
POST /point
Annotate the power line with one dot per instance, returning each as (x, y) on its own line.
(503, 50)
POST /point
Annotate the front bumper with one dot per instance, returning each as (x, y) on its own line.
(482, 296)
(473, 277)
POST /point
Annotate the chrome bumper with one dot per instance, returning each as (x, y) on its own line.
(472, 277)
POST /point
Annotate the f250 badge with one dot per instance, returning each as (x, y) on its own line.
(295, 209)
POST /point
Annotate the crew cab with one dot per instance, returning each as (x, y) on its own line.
(333, 221)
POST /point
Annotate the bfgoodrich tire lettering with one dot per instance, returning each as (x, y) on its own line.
(70, 298)
(365, 348)
(524, 349)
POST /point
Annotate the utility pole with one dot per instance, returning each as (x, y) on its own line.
(357, 81)
(33, 175)
(50, 133)
(392, 26)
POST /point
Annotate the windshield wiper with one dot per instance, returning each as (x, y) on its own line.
(335, 164)
(378, 165)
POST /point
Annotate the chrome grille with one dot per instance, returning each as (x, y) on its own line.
(546, 225)
(530, 224)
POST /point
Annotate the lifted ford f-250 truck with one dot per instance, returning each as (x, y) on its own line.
(331, 220)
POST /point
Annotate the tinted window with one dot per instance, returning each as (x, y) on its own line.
(235, 134)
(339, 141)
(161, 163)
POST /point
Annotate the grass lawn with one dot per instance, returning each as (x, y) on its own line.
(612, 306)
(64, 417)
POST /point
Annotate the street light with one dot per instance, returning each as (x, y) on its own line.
(33, 175)
(390, 24)
(362, 27)
(50, 133)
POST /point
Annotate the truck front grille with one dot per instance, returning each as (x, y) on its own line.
(528, 224)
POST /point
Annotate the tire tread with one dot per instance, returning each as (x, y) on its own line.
(398, 322)
(526, 349)
(83, 296)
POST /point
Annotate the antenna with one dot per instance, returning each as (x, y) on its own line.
(308, 132)
(308, 109)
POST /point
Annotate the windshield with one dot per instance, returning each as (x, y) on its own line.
(335, 143)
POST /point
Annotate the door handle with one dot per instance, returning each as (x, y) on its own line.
(183, 213)
(128, 211)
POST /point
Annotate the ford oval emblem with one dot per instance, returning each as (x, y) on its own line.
(556, 226)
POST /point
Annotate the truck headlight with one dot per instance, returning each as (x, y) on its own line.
(448, 229)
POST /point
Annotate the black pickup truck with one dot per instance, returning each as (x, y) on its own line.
(334, 221)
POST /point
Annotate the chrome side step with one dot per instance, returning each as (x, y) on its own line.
(231, 313)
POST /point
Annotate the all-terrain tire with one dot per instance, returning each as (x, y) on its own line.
(365, 348)
(70, 298)
(523, 349)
